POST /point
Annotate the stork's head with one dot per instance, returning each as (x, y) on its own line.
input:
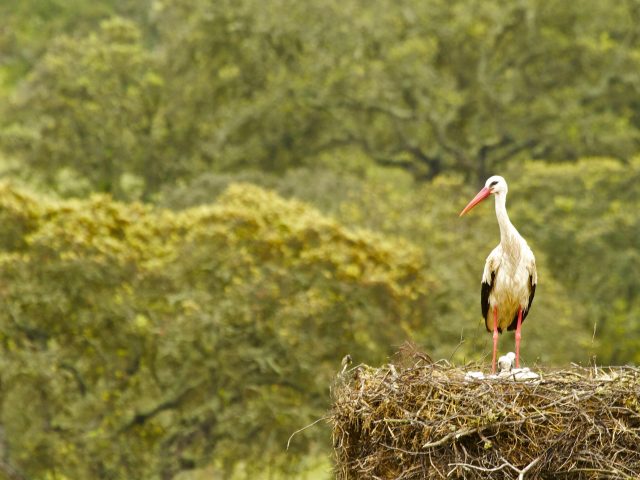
(494, 185)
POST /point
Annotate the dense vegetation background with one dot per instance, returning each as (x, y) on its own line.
(206, 204)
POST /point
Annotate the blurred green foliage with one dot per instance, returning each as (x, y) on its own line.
(210, 333)
(430, 86)
(211, 202)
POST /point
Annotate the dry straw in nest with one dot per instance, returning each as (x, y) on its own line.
(424, 420)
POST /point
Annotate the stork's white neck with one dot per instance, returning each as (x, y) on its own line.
(507, 231)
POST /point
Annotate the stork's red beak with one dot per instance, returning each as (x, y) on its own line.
(482, 194)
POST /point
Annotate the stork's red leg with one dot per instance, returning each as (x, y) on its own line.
(495, 339)
(518, 337)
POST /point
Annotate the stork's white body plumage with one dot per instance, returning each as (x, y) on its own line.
(511, 284)
(509, 278)
(510, 272)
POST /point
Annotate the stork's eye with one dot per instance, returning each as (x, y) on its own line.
(495, 182)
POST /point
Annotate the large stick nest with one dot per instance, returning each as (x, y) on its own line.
(424, 420)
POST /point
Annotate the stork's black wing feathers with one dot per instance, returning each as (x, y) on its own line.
(484, 299)
(514, 322)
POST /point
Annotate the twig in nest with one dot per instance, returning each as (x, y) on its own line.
(304, 428)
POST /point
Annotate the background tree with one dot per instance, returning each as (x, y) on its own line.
(303, 166)
(121, 328)
(29, 26)
(426, 86)
(91, 106)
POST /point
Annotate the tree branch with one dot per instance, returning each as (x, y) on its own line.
(141, 417)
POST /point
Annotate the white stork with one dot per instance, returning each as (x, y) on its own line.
(509, 278)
